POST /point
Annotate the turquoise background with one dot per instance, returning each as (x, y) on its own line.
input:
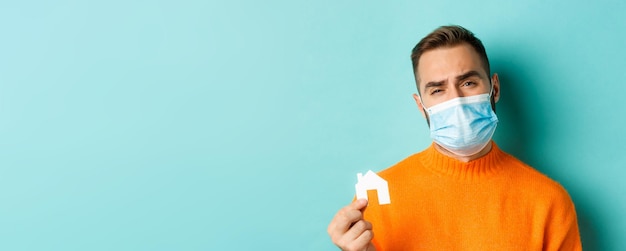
(241, 125)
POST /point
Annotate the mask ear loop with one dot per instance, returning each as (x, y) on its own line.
(491, 101)
(421, 101)
(419, 95)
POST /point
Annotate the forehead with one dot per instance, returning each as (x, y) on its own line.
(448, 62)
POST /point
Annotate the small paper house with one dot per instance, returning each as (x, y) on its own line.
(371, 181)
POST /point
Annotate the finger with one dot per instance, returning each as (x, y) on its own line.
(357, 230)
(359, 204)
(364, 240)
(358, 237)
(350, 211)
(344, 219)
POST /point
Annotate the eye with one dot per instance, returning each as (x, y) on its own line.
(468, 83)
(435, 91)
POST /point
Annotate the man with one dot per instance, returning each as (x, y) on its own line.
(463, 192)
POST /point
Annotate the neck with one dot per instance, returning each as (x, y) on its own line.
(482, 152)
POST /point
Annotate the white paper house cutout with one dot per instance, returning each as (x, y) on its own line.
(371, 181)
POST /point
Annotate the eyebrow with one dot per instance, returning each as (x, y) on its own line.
(433, 84)
(467, 75)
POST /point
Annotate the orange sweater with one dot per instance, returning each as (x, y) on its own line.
(495, 202)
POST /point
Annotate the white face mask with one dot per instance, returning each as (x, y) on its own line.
(463, 125)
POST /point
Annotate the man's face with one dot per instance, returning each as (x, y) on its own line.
(452, 72)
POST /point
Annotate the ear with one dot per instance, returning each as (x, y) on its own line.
(419, 104)
(495, 81)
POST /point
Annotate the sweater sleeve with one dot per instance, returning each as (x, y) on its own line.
(562, 233)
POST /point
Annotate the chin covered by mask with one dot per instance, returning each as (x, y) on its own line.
(463, 125)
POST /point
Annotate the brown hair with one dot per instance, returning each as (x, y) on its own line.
(448, 36)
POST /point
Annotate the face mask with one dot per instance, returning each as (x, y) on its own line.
(464, 125)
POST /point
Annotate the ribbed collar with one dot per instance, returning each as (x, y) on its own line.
(473, 170)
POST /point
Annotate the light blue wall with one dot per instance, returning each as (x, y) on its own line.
(240, 125)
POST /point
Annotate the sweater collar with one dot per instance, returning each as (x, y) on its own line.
(444, 165)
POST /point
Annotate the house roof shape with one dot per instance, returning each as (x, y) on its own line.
(371, 181)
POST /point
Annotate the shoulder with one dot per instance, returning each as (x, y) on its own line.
(536, 184)
(551, 206)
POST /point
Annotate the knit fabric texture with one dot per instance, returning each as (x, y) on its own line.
(495, 202)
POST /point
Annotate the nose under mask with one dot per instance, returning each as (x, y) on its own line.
(463, 125)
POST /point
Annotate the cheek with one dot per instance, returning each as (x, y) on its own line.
(435, 100)
(427, 102)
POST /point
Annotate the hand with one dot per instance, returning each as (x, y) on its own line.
(349, 231)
